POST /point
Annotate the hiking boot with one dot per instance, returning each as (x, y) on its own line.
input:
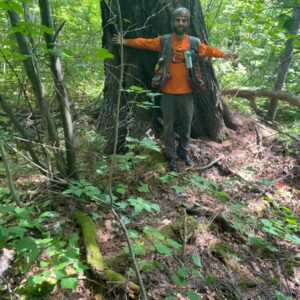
(187, 160)
(172, 166)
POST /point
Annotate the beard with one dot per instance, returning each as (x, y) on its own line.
(180, 30)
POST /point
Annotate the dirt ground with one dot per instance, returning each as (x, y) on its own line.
(251, 167)
(249, 177)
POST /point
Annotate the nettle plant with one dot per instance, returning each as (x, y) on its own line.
(45, 259)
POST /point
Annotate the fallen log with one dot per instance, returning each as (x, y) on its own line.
(94, 257)
(261, 92)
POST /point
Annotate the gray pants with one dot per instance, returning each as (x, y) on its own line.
(177, 109)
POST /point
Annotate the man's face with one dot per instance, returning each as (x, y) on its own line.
(180, 24)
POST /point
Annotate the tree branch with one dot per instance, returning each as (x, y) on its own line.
(261, 92)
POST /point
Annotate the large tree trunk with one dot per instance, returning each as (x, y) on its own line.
(152, 18)
(285, 61)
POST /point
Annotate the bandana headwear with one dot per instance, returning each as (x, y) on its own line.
(183, 12)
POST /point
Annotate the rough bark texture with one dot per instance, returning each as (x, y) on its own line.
(152, 18)
(285, 61)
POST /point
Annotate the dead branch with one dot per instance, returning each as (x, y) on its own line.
(210, 164)
(261, 92)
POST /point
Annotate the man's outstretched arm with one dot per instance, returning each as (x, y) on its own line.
(141, 43)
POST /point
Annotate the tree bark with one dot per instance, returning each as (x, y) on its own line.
(61, 92)
(285, 61)
(150, 19)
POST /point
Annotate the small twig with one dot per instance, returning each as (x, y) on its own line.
(58, 30)
(258, 136)
(284, 276)
(11, 185)
(90, 280)
(209, 165)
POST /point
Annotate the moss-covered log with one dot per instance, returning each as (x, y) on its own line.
(94, 257)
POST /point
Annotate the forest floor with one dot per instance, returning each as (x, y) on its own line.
(245, 244)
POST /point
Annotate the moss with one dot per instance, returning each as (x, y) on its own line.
(269, 279)
(155, 161)
(226, 254)
(175, 230)
(289, 268)
(94, 256)
(247, 283)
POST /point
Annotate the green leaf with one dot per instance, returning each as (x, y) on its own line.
(178, 189)
(37, 279)
(162, 249)
(179, 280)
(193, 296)
(281, 296)
(122, 188)
(133, 234)
(69, 283)
(291, 220)
(171, 298)
(250, 169)
(151, 231)
(144, 188)
(122, 205)
(103, 54)
(210, 279)
(46, 29)
(197, 273)
(174, 244)
(267, 182)
(60, 274)
(197, 260)
(183, 272)
(293, 238)
(27, 243)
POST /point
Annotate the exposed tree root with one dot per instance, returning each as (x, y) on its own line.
(95, 258)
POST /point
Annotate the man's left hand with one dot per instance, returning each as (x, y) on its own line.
(230, 56)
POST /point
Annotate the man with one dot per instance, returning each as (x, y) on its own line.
(177, 98)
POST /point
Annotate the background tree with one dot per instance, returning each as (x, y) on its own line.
(151, 19)
(292, 26)
(48, 136)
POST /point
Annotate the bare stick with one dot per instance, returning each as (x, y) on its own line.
(132, 254)
(210, 165)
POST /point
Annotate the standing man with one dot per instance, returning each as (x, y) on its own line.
(177, 98)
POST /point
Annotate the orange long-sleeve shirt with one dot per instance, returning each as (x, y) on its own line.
(178, 84)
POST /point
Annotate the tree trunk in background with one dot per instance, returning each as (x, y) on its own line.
(211, 117)
(285, 61)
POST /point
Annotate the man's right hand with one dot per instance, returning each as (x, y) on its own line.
(117, 39)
